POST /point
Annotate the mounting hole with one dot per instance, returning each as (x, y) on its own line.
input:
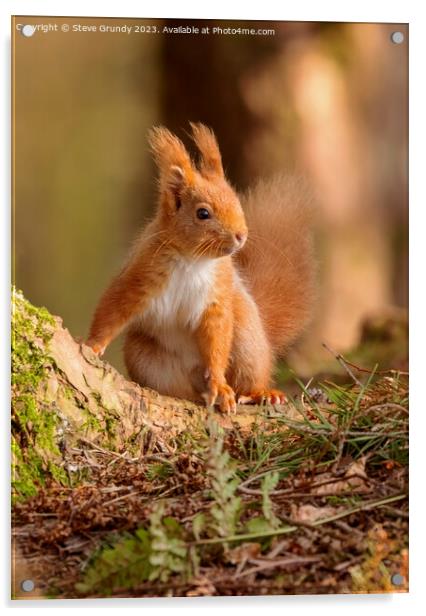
(397, 38)
(27, 30)
(27, 585)
(397, 579)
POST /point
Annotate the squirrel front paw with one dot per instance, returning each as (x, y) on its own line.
(222, 395)
(97, 347)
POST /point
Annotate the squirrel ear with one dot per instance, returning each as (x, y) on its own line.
(177, 176)
(174, 164)
(171, 156)
(205, 140)
(175, 179)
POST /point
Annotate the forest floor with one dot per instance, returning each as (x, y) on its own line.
(311, 497)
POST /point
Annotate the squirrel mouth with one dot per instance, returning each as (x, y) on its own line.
(230, 250)
(221, 249)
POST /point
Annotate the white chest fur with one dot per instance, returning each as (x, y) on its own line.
(185, 297)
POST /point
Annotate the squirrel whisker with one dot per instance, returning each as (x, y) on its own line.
(205, 246)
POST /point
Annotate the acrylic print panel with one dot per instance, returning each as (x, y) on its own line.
(210, 364)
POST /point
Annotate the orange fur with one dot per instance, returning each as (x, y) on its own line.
(205, 310)
(129, 292)
(277, 261)
(214, 337)
(211, 160)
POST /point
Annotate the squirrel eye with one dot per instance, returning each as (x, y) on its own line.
(202, 213)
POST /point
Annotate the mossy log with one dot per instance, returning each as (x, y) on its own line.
(63, 394)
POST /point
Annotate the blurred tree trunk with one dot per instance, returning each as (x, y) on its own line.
(334, 104)
(203, 81)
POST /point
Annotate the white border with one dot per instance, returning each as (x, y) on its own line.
(403, 11)
(326, 10)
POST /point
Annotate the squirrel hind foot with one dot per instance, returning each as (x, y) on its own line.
(268, 396)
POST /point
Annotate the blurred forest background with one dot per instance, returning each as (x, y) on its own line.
(329, 100)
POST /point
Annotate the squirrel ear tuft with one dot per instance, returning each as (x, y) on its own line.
(205, 140)
(171, 156)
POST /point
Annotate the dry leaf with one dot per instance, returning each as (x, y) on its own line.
(243, 552)
(329, 581)
(355, 478)
(310, 514)
(203, 588)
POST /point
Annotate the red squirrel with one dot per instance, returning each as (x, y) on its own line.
(216, 286)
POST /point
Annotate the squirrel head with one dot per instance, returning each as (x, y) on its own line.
(197, 205)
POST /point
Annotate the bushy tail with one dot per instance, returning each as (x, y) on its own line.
(277, 260)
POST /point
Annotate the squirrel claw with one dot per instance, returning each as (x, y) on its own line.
(97, 348)
(223, 396)
(228, 404)
(271, 396)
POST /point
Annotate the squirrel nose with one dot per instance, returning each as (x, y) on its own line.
(240, 237)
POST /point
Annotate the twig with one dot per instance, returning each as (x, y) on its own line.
(375, 371)
(163, 494)
(388, 405)
(348, 493)
(255, 478)
(342, 440)
(292, 491)
(289, 529)
(265, 564)
(396, 512)
(109, 489)
(122, 497)
(349, 529)
(348, 563)
(156, 457)
(302, 396)
(325, 431)
(90, 460)
(101, 449)
(342, 361)
(277, 549)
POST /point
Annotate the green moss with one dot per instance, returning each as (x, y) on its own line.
(91, 423)
(109, 421)
(58, 473)
(25, 474)
(34, 446)
(111, 428)
(105, 422)
(32, 328)
(41, 401)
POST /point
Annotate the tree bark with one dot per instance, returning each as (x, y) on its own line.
(63, 395)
